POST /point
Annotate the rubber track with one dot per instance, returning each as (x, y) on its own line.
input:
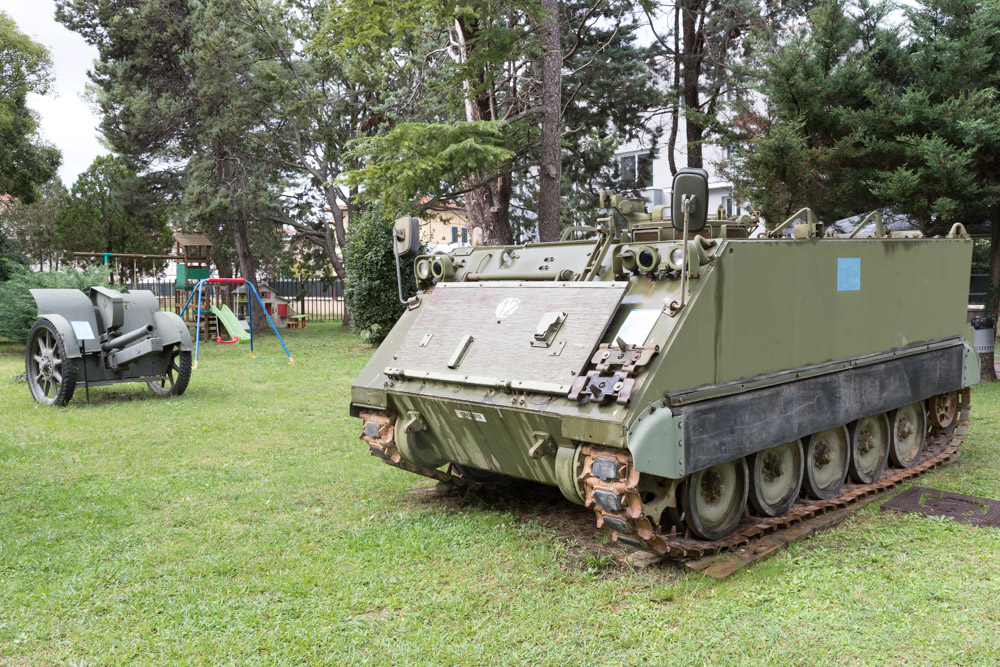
(941, 448)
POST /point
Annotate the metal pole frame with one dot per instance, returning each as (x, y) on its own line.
(198, 289)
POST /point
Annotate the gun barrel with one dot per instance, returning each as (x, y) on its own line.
(125, 339)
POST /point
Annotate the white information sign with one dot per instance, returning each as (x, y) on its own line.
(82, 329)
(636, 327)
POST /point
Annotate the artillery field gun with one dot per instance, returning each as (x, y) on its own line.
(692, 386)
(107, 338)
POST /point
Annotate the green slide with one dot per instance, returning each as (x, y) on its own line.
(229, 321)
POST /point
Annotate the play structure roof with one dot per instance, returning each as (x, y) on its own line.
(191, 239)
(262, 286)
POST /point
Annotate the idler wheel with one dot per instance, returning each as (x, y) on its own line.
(50, 373)
(869, 448)
(175, 377)
(714, 499)
(827, 455)
(943, 409)
(908, 434)
(775, 478)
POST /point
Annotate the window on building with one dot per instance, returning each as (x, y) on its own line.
(635, 171)
(731, 205)
(459, 233)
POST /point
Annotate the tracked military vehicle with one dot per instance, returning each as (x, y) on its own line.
(691, 385)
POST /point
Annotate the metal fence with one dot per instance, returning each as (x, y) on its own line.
(977, 288)
(320, 300)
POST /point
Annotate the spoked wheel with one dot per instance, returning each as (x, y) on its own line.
(51, 375)
(175, 377)
(827, 454)
(714, 499)
(908, 433)
(775, 478)
(943, 409)
(869, 448)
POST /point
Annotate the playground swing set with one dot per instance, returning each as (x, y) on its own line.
(193, 255)
(226, 316)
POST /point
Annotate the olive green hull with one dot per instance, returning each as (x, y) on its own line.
(800, 325)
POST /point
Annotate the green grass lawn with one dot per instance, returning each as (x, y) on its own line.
(245, 522)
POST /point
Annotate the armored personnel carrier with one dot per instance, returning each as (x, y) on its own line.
(692, 386)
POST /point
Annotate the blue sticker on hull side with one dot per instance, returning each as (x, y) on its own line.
(848, 274)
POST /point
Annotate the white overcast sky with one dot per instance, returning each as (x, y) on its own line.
(67, 121)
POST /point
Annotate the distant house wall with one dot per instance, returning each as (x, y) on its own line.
(444, 227)
(650, 174)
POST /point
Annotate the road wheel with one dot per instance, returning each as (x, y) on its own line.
(51, 374)
(908, 434)
(775, 478)
(714, 499)
(869, 448)
(827, 455)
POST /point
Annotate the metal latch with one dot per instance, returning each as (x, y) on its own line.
(613, 376)
(627, 358)
(547, 328)
(600, 388)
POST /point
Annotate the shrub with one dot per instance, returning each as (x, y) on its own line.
(18, 311)
(10, 256)
(370, 283)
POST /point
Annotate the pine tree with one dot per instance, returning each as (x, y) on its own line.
(813, 133)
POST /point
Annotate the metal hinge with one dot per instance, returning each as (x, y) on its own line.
(611, 379)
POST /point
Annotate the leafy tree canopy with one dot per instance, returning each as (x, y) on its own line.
(34, 225)
(437, 74)
(110, 210)
(25, 160)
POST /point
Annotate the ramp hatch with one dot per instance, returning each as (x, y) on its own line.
(519, 335)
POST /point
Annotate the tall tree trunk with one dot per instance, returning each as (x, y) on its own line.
(993, 291)
(675, 105)
(691, 73)
(248, 267)
(992, 309)
(550, 168)
(489, 209)
(488, 205)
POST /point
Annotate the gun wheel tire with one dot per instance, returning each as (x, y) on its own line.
(908, 434)
(51, 374)
(775, 478)
(827, 456)
(177, 376)
(869, 448)
(715, 498)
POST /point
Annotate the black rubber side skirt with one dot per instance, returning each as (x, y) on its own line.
(722, 429)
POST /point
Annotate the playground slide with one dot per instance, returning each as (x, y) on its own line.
(229, 321)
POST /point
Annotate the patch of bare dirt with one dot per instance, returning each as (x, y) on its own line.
(560, 519)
